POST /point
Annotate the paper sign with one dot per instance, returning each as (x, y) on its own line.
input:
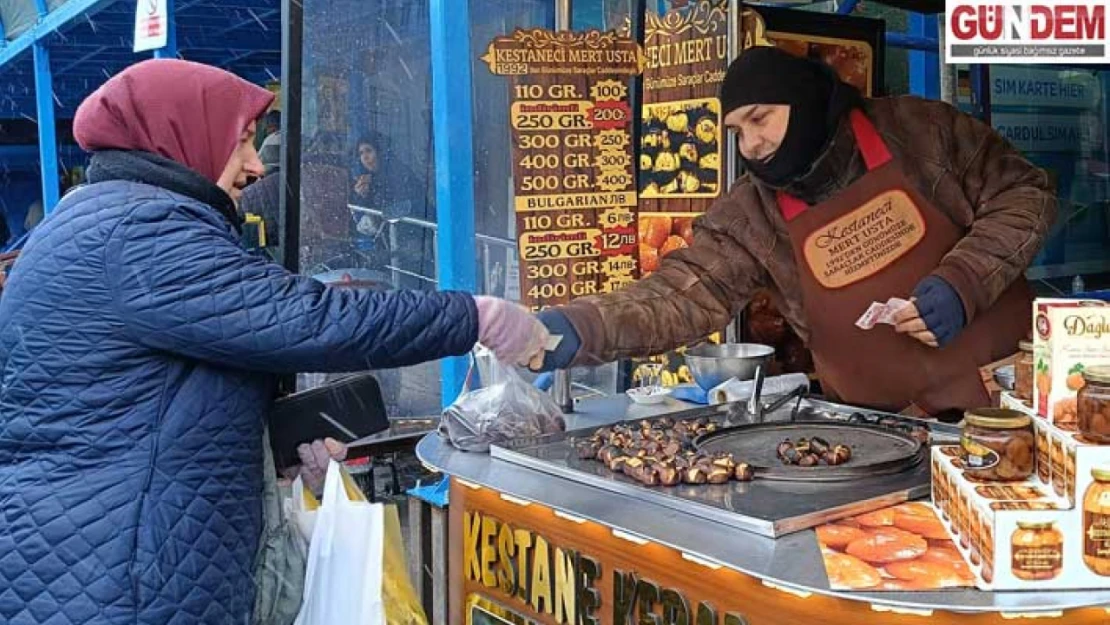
(151, 25)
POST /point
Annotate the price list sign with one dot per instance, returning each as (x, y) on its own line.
(573, 175)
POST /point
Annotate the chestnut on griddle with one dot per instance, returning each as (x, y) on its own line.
(668, 474)
(616, 463)
(719, 475)
(784, 448)
(743, 472)
(808, 460)
(819, 445)
(841, 453)
(694, 475)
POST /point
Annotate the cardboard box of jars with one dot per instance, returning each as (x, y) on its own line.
(1051, 531)
(1070, 336)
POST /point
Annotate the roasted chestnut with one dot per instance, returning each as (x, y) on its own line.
(668, 475)
(616, 463)
(744, 472)
(719, 475)
(783, 449)
(694, 475)
(808, 460)
(842, 453)
(819, 445)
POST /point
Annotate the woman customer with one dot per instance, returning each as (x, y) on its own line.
(139, 344)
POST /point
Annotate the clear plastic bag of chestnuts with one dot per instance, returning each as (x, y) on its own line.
(505, 408)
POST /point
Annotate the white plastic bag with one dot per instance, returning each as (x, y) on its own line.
(303, 508)
(504, 409)
(343, 583)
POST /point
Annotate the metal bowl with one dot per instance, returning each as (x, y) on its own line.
(712, 365)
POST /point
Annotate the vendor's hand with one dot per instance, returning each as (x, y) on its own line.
(315, 458)
(936, 315)
(509, 330)
(558, 325)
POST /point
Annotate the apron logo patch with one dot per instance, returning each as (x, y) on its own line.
(861, 243)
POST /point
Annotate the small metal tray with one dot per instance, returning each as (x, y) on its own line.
(875, 451)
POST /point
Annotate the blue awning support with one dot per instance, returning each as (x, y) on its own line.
(170, 50)
(52, 22)
(48, 140)
(44, 107)
(452, 125)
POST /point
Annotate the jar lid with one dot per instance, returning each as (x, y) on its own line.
(996, 418)
(1025, 346)
(1036, 525)
(1099, 374)
(1101, 474)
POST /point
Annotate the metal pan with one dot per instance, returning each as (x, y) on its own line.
(875, 451)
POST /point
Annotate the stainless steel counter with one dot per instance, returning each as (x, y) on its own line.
(792, 562)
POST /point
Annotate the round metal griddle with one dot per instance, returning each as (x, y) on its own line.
(875, 450)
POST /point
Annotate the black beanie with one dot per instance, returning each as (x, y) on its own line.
(816, 95)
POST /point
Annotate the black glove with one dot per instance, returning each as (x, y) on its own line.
(940, 308)
(558, 324)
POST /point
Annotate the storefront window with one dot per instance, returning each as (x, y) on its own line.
(1056, 116)
(367, 166)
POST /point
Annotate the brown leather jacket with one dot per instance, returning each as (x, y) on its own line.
(741, 245)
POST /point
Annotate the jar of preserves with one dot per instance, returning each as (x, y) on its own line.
(1093, 406)
(1096, 523)
(1037, 550)
(998, 445)
(1023, 372)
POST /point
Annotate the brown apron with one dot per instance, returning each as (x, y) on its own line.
(875, 240)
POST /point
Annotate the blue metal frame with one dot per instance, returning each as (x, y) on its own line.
(170, 50)
(48, 140)
(847, 7)
(925, 64)
(452, 125)
(50, 23)
(44, 107)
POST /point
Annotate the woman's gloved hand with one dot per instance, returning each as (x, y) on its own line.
(314, 461)
(937, 315)
(557, 324)
(509, 330)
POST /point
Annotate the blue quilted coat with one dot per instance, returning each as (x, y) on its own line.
(138, 346)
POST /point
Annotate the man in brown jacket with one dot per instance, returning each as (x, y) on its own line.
(846, 201)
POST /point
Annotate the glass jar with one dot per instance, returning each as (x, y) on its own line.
(1037, 550)
(1023, 372)
(1096, 523)
(998, 445)
(1093, 406)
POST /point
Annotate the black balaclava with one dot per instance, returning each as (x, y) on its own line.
(818, 100)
